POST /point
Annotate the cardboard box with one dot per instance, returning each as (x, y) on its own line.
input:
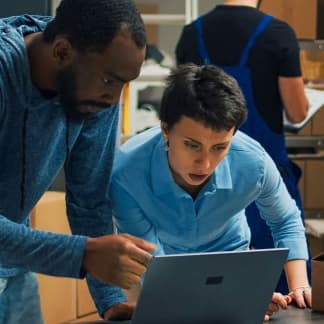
(58, 298)
(62, 299)
(314, 180)
(87, 319)
(305, 131)
(315, 235)
(85, 304)
(318, 123)
(58, 295)
(306, 17)
(316, 244)
(49, 214)
(318, 283)
(312, 64)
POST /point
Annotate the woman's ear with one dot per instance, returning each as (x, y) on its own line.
(164, 128)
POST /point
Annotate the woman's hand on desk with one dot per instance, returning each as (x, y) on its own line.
(302, 296)
(278, 301)
(299, 289)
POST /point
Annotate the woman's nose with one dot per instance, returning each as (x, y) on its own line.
(204, 161)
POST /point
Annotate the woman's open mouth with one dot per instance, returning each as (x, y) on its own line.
(197, 177)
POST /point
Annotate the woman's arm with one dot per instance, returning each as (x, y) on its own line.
(298, 284)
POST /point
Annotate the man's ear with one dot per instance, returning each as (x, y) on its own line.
(164, 128)
(63, 51)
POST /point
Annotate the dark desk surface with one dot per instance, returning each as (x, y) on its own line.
(292, 315)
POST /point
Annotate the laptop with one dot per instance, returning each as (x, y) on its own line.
(215, 287)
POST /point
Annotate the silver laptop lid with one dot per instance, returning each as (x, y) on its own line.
(217, 287)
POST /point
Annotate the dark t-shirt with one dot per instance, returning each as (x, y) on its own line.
(226, 31)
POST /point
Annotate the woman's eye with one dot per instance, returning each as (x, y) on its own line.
(192, 146)
(219, 148)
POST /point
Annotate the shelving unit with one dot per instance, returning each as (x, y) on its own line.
(151, 76)
(191, 12)
(306, 148)
(311, 45)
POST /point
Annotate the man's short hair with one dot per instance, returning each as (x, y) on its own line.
(91, 25)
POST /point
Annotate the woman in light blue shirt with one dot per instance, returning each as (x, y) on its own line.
(185, 185)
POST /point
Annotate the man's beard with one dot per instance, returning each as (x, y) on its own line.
(67, 91)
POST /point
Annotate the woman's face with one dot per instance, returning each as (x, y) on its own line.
(194, 151)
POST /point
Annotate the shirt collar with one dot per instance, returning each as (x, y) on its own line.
(161, 177)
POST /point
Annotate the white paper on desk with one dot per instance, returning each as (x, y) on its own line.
(314, 227)
(316, 101)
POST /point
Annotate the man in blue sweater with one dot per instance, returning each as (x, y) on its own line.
(60, 83)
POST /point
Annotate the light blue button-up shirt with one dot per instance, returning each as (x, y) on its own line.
(149, 204)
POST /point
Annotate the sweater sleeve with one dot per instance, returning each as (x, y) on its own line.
(87, 174)
(40, 251)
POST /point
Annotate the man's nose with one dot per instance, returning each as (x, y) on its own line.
(113, 97)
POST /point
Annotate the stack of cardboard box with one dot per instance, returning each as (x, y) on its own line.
(62, 299)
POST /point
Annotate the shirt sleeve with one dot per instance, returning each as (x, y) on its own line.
(186, 49)
(1, 99)
(87, 174)
(281, 213)
(40, 251)
(104, 295)
(288, 52)
(1, 80)
(129, 217)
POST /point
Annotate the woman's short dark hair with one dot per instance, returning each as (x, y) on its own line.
(92, 24)
(204, 93)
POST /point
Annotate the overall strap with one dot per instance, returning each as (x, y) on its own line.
(201, 46)
(259, 29)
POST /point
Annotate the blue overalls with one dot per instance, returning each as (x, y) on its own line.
(256, 127)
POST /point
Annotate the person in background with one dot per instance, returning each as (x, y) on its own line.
(196, 174)
(262, 53)
(60, 84)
